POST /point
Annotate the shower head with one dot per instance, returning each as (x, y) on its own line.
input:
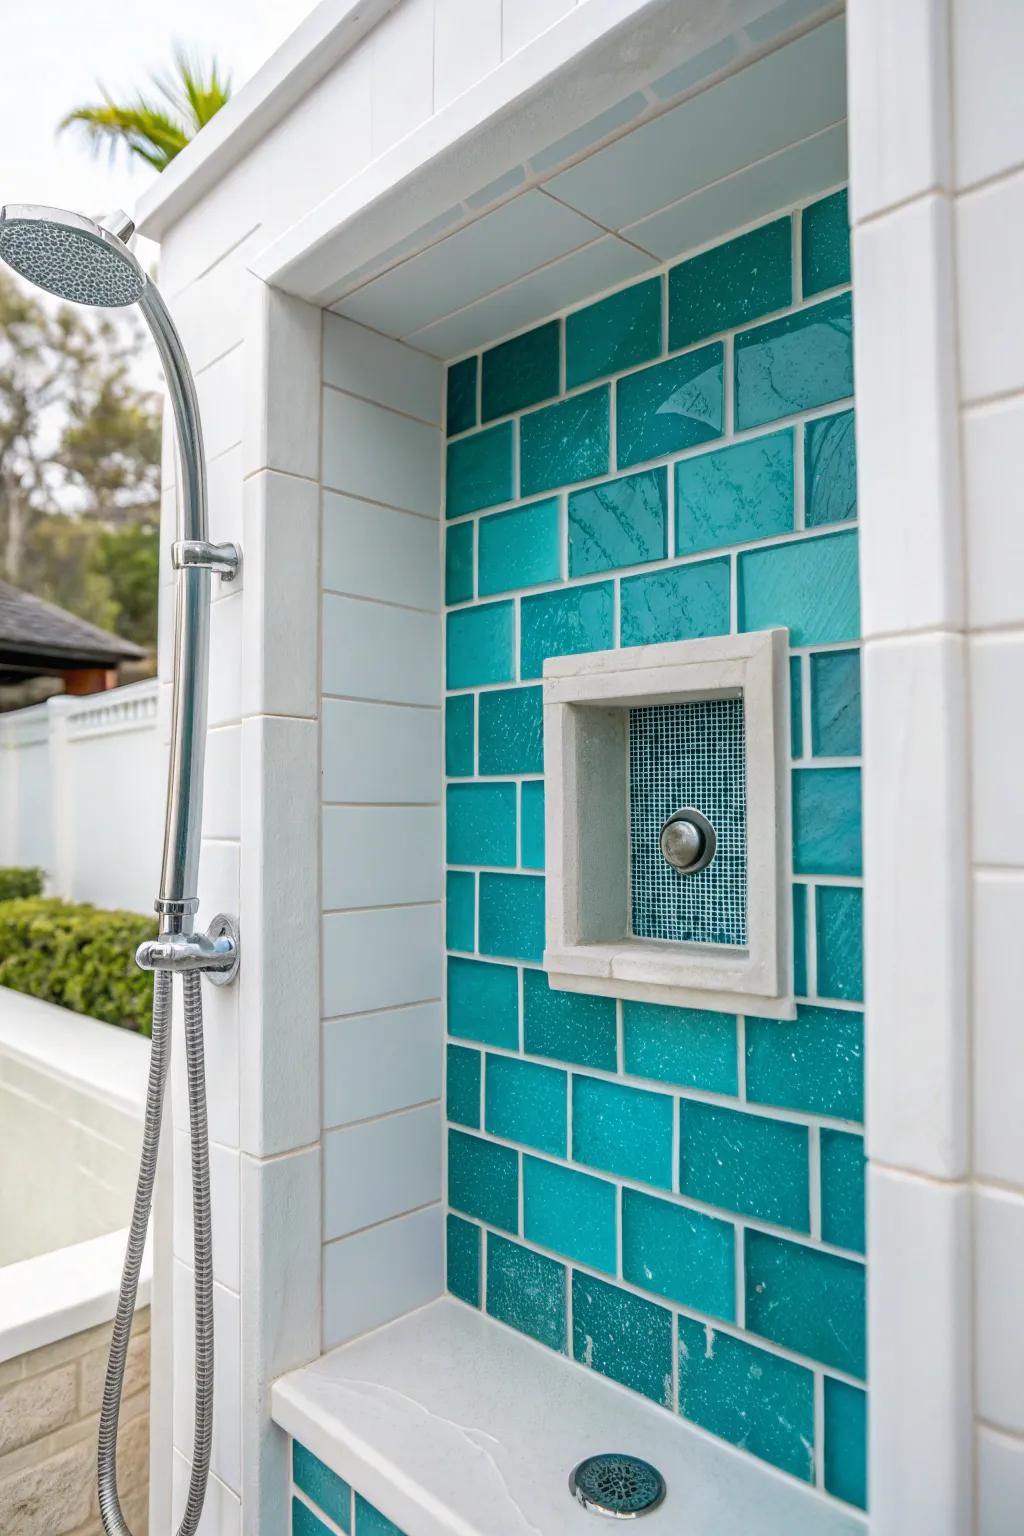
(70, 256)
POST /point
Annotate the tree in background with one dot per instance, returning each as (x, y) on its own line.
(156, 125)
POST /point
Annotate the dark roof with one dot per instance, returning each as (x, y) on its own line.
(37, 638)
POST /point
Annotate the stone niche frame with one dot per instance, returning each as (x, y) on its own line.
(589, 946)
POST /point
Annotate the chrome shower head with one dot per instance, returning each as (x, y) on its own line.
(70, 256)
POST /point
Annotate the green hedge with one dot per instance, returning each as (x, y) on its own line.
(15, 883)
(78, 956)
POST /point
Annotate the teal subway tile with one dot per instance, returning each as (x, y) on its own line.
(681, 1254)
(622, 1336)
(825, 244)
(459, 732)
(747, 1396)
(463, 1260)
(846, 1442)
(483, 1180)
(483, 1002)
(615, 333)
(842, 1189)
(682, 602)
(620, 522)
(460, 909)
(327, 1490)
(826, 821)
(527, 1102)
(735, 494)
(796, 706)
(571, 1212)
(669, 406)
(564, 623)
(526, 1291)
(521, 371)
(746, 1163)
(305, 1523)
(512, 916)
(795, 363)
(814, 1062)
(458, 563)
(460, 404)
(840, 942)
(519, 548)
(370, 1521)
(531, 825)
(511, 731)
(830, 470)
(690, 1046)
(806, 585)
(835, 704)
(806, 1300)
(480, 645)
(565, 442)
(568, 1026)
(731, 284)
(799, 939)
(462, 1086)
(479, 470)
(480, 823)
(623, 1130)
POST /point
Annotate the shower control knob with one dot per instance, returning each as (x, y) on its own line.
(688, 841)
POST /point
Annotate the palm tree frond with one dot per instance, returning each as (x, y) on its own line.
(154, 132)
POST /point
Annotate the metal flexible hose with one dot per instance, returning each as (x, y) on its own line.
(114, 1523)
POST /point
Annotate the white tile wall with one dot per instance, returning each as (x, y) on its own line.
(380, 1169)
(993, 447)
(224, 1208)
(1000, 1483)
(225, 1461)
(377, 454)
(282, 385)
(378, 1062)
(997, 748)
(377, 651)
(523, 20)
(402, 75)
(988, 45)
(372, 551)
(222, 1509)
(380, 855)
(467, 45)
(380, 958)
(364, 363)
(381, 753)
(222, 783)
(224, 492)
(279, 627)
(381, 1273)
(225, 703)
(999, 1338)
(220, 389)
(989, 229)
(998, 989)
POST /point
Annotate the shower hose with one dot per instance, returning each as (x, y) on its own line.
(114, 1523)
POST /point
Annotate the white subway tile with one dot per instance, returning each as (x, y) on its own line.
(997, 748)
(378, 1275)
(988, 45)
(224, 490)
(1000, 1483)
(378, 1062)
(380, 856)
(222, 782)
(220, 389)
(998, 991)
(381, 1169)
(211, 312)
(373, 452)
(999, 1338)
(224, 1207)
(993, 447)
(365, 363)
(372, 551)
(467, 45)
(380, 958)
(226, 660)
(218, 880)
(990, 232)
(282, 385)
(280, 673)
(374, 753)
(402, 76)
(225, 1461)
(222, 1509)
(376, 651)
(523, 20)
(221, 1057)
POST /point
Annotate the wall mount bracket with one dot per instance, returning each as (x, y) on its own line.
(223, 559)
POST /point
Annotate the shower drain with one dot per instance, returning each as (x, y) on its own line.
(622, 1487)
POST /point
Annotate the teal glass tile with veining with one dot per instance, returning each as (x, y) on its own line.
(526, 1291)
(620, 522)
(808, 586)
(846, 1442)
(531, 825)
(669, 406)
(480, 824)
(460, 406)
(483, 1180)
(681, 1254)
(568, 1026)
(690, 1046)
(370, 1521)
(519, 548)
(840, 942)
(796, 706)
(565, 442)
(512, 916)
(735, 494)
(746, 1163)
(462, 1085)
(479, 470)
(835, 704)
(615, 333)
(682, 602)
(460, 909)
(826, 821)
(564, 623)
(842, 1189)
(622, 1130)
(747, 1396)
(480, 645)
(459, 748)
(825, 244)
(458, 563)
(799, 939)
(511, 730)
(622, 1336)
(483, 1002)
(814, 1062)
(731, 284)
(521, 371)
(795, 363)
(463, 1244)
(570, 1212)
(830, 470)
(328, 1491)
(304, 1522)
(806, 1300)
(527, 1102)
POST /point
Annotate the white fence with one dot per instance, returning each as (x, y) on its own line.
(82, 783)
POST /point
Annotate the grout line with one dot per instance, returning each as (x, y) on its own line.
(818, 1451)
(814, 1178)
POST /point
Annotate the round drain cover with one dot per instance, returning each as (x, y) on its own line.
(622, 1487)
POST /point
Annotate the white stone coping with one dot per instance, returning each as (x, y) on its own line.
(106, 1062)
(454, 1425)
